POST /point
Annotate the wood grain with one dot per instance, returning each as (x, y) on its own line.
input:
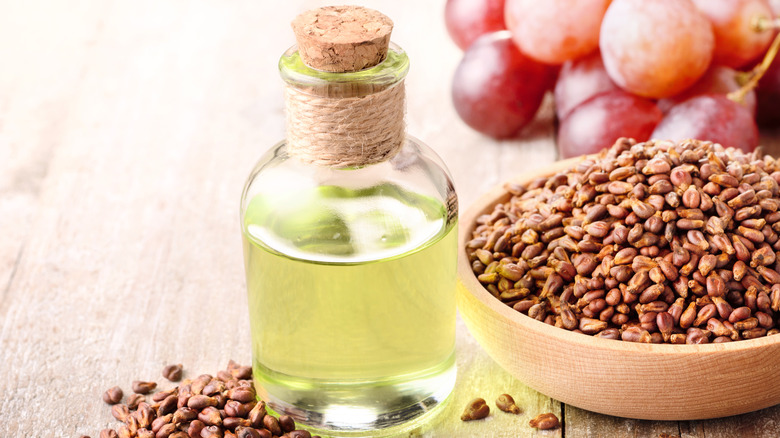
(126, 132)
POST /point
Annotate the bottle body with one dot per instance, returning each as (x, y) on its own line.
(351, 283)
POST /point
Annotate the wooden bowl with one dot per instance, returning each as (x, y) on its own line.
(644, 381)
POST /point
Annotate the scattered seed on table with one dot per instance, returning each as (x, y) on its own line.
(506, 403)
(545, 421)
(141, 387)
(172, 372)
(113, 395)
(477, 409)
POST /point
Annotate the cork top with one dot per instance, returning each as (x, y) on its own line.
(342, 38)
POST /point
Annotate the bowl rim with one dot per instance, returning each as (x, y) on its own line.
(484, 204)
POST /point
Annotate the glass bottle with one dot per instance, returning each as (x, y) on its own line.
(350, 260)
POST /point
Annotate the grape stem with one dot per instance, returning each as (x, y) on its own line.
(749, 80)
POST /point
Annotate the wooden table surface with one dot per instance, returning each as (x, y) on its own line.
(127, 129)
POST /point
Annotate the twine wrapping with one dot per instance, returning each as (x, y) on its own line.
(345, 131)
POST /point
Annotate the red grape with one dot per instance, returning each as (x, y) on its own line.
(580, 80)
(655, 48)
(602, 119)
(467, 20)
(736, 42)
(718, 80)
(555, 31)
(710, 117)
(775, 5)
(497, 89)
(768, 96)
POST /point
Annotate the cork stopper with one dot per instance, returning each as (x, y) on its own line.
(342, 38)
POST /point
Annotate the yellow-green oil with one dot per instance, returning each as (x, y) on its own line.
(351, 296)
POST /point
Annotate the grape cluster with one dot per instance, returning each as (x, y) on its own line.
(670, 69)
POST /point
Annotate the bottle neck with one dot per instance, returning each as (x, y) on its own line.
(345, 131)
(345, 119)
